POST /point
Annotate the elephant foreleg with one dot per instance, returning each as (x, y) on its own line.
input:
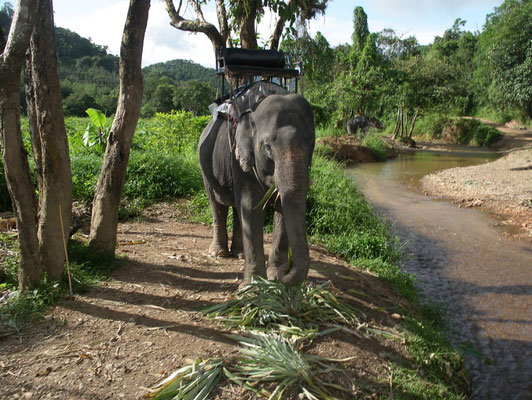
(252, 222)
(279, 251)
(218, 247)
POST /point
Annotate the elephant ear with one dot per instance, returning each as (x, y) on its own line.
(244, 141)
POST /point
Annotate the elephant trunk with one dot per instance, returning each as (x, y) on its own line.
(293, 194)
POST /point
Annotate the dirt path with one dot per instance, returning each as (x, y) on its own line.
(131, 331)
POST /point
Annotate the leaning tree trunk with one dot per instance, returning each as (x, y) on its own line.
(50, 143)
(414, 118)
(397, 121)
(405, 126)
(104, 221)
(14, 155)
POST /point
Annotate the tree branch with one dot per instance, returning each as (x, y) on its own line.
(222, 19)
(177, 21)
(197, 8)
(277, 32)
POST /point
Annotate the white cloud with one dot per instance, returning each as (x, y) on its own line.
(104, 25)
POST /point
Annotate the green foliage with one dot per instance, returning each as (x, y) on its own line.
(432, 125)
(154, 176)
(172, 132)
(86, 266)
(77, 103)
(361, 31)
(339, 217)
(97, 130)
(504, 59)
(378, 147)
(28, 306)
(194, 96)
(473, 131)
(85, 170)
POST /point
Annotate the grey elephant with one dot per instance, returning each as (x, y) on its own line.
(272, 143)
(363, 123)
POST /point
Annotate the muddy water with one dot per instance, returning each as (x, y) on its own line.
(481, 277)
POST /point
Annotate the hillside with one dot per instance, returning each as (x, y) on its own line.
(89, 77)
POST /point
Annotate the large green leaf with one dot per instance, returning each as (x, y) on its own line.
(97, 117)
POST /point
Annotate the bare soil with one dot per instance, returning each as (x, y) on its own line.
(125, 335)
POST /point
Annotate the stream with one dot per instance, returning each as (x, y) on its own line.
(463, 262)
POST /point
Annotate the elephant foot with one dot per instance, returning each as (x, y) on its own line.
(271, 273)
(217, 251)
(238, 253)
(244, 283)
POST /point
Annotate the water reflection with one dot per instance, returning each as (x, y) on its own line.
(411, 167)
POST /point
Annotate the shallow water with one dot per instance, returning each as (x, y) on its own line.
(411, 167)
(461, 261)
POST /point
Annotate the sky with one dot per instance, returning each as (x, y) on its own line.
(103, 22)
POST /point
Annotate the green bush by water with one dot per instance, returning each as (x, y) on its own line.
(472, 131)
(378, 147)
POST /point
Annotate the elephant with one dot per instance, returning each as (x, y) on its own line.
(363, 123)
(272, 144)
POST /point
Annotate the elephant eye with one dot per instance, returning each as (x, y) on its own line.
(268, 149)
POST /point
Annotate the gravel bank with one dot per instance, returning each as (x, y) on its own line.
(504, 187)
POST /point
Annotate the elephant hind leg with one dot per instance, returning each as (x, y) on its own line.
(218, 247)
(279, 251)
(237, 245)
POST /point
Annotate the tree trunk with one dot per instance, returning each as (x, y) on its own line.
(104, 221)
(401, 124)
(413, 123)
(52, 158)
(397, 122)
(248, 34)
(14, 155)
(405, 126)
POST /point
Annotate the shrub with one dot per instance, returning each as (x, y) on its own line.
(339, 216)
(154, 176)
(468, 131)
(85, 170)
(174, 132)
(432, 125)
(378, 147)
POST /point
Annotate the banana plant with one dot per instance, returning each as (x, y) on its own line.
(97, 131)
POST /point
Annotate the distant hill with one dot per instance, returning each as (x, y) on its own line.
(89, 76)
(180, 71)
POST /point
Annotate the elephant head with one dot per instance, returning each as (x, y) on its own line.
(276, 142)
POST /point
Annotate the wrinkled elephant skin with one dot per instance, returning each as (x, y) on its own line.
(272, 145)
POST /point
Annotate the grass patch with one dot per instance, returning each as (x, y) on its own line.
(378, 147)
(87, 267)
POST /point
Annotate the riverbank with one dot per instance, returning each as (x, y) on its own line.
(502, 187)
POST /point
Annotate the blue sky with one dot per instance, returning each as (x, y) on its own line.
(103, 22)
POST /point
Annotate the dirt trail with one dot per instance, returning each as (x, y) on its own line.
(136, 328)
